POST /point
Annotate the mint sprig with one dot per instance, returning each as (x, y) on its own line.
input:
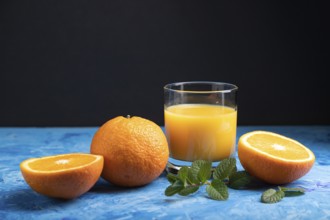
(190, 179)
(274, 196)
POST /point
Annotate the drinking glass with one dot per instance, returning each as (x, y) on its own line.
(200, 122)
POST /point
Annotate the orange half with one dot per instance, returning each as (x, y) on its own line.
(274, 158)
(62, 176)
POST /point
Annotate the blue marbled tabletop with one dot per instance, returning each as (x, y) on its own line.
(105, 201)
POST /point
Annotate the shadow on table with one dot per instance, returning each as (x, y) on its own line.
(28, 200)
(102, 186)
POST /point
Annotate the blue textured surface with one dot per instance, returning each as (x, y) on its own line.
(104, 201)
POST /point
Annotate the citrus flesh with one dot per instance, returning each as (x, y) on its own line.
(274, 158)
(64, 176)
(135, 150)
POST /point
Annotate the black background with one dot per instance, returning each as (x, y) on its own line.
(80, 63)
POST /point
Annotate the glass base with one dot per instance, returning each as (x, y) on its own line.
(173, 165)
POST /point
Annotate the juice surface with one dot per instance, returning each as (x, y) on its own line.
(198, 131)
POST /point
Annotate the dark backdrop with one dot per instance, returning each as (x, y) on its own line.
(80, 63)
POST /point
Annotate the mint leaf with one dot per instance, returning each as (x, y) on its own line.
(200, 171)
(217, 190)
(188, 190)
(239, 180)
(289, 192)
(272, 196)
(176, 187)
(225, 168)
(194, 169)
(205, 171)
(192, 176)
(183, 174)
(171, 178)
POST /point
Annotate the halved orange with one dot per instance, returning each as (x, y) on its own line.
(274, 158)
(64, 176)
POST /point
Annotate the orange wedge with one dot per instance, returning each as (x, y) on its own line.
(274, 158)
(65, 176)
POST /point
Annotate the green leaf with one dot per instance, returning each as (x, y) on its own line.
(176, 187)
(193, 172)
(217, 190)
(200, 171)
(290, 192)
(192, 176)
(239, 180)
(205, 171)
(272, 196)
(183, 174)
(171, 178)
(188, 190)
(225, 168)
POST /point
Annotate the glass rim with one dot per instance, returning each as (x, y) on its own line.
(232, 89)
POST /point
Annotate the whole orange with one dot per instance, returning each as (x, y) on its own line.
(135, 150)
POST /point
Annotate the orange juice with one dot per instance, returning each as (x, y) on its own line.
(200, 131)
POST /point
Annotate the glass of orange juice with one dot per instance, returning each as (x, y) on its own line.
(200, 122)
